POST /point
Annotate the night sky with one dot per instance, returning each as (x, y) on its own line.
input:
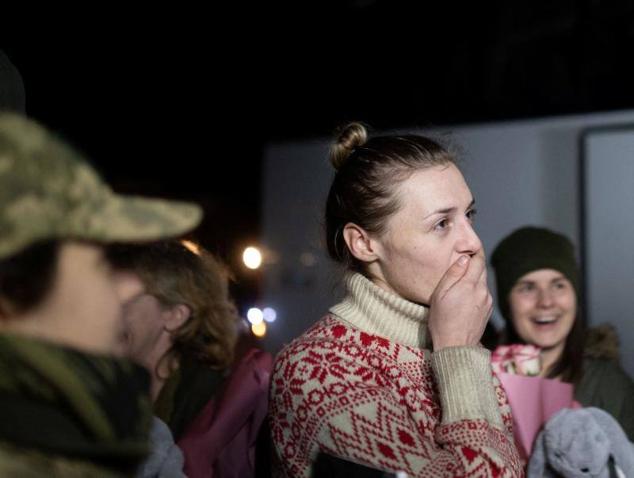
(154, 98)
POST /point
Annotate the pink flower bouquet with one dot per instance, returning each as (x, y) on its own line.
(533, 399)
(518, 359)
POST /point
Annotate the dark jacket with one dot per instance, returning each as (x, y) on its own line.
(604, 384)
(66, 413)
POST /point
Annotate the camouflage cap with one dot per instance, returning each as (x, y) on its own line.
(48, 191)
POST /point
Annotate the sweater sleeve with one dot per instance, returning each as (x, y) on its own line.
(465, 383)
(323, 399)
(472, 398)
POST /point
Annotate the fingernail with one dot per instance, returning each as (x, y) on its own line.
(462, 260)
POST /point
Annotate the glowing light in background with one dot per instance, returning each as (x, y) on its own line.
(255, 316)
(192, 246)
(269, 314)
(259, 330)
(252, 257)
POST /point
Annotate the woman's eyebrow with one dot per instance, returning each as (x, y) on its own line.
(449, 209)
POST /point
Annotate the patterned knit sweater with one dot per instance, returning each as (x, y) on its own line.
(362, 384)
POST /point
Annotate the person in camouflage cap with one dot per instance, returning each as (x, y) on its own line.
(47, 191)
(68, 405)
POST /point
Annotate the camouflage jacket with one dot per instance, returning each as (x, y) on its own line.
(68, 413)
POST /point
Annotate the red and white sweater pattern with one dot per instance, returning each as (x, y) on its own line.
(393, 406)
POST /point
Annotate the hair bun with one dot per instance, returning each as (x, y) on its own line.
(351, 136)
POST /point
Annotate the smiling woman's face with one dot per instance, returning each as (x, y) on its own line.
(543, 306)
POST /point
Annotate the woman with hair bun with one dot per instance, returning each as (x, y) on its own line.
(394, 377)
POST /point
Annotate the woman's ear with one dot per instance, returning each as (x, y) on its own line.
(359, 242)
(175, 317)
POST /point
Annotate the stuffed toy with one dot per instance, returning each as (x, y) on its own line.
(581, 443)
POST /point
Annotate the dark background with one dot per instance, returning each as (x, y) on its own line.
(182, 102)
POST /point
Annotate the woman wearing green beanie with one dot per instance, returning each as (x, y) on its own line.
(538, 289)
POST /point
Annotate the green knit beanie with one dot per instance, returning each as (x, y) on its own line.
(529, 249)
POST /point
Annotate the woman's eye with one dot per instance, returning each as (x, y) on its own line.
(441, 224)
(471, 214)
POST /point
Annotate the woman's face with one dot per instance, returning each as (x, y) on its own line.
(144, 321)
(431, 230)
(543, 307)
